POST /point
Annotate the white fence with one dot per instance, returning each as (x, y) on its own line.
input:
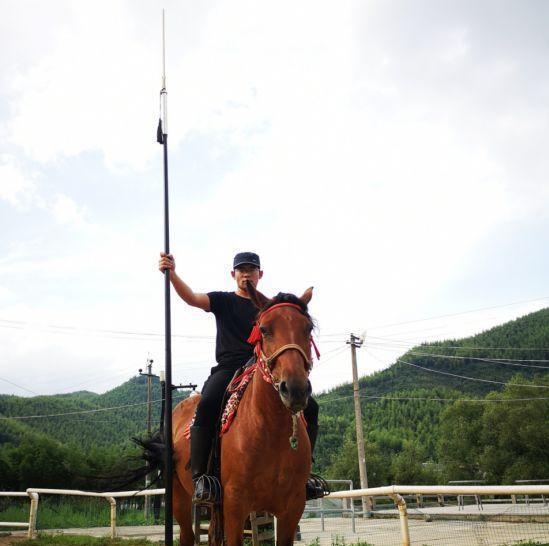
(446, 515)
(397, 493)
(34, 495)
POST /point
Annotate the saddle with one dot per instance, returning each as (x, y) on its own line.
(231, 399)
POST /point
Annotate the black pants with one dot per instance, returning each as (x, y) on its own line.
(209, 407)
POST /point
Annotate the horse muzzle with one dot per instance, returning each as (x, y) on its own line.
(295, 394)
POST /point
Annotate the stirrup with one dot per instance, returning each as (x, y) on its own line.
(316, 487)
(207, 490)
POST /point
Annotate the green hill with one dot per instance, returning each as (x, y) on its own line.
(406, 413)
(408, 421)
(101, 426)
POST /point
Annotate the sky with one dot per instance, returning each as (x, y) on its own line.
(391, 154)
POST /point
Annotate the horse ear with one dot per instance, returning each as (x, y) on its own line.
(307, 295)
(258, 299)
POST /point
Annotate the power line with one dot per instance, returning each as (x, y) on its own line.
(77, 330)
(408, 398)
(459, 313)
(472, 378)
(19, 386)
(83, 411)
(334, 353)
(505, 361)
(496, 359)
(396, 342)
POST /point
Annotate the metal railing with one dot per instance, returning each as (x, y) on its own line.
(110, 497)
(395, 492)
(19, 524)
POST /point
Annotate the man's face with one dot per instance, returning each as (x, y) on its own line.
(244, 273)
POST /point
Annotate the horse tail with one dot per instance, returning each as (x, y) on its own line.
(153, 450)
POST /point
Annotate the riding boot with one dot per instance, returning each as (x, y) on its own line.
(312, 432)
(206, 488)
(316, 487)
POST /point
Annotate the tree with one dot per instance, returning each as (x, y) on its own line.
(515, 434)
(460, 445)
(408, 467)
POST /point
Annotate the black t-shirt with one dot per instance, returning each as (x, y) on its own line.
(234, 317)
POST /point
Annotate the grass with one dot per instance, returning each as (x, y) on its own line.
(65, 540)
(70, 514)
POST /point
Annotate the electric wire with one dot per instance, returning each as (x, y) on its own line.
(410, 398)
(504, 361)
(81, 412)
(334, 353)
(79, 330)
(390, 341)
(472, 378)
(19, 386)
(459, 313)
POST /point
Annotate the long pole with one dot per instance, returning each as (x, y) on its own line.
(149, 430)
(355, 342)
(162, 137)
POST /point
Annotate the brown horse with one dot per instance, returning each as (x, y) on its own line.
(260, 468)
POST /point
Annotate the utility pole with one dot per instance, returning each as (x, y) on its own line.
(149, 375)
(354, 342)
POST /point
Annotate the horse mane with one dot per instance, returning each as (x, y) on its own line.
(283, 297)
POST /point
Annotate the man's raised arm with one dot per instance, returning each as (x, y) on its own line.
(185, 292)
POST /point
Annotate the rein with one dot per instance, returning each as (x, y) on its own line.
(265, 363)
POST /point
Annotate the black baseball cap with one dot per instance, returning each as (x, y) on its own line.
(246, 258)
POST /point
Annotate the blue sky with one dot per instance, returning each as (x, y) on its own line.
(391, 154)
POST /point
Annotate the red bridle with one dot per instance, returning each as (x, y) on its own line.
(265, 363)
(256, 339)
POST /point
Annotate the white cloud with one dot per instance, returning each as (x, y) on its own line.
(359, 149)
(17, 186)
(66, 211)
(89, 91)
(455, 46)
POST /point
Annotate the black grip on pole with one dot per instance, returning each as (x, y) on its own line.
(159, 134)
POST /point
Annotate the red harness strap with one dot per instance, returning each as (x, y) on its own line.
(256, 338)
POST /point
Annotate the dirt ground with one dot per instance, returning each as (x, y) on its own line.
(6, 540)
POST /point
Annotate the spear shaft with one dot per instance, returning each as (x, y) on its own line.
(162, 137)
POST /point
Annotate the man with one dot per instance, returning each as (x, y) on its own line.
(234, 315)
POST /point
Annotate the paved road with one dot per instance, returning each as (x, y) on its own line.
(386, 532)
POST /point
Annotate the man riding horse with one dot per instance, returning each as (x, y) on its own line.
(235, 315)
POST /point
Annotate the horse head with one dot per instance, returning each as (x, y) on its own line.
(282, 338)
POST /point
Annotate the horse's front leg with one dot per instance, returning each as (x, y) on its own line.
(234, 518)
(286, 526)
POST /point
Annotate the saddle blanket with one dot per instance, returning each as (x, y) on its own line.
(235, 390)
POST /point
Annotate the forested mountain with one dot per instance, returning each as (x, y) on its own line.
(414, 431)
(88, 429)
(407, 409)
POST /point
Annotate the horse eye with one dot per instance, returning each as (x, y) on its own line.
(264, 330)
